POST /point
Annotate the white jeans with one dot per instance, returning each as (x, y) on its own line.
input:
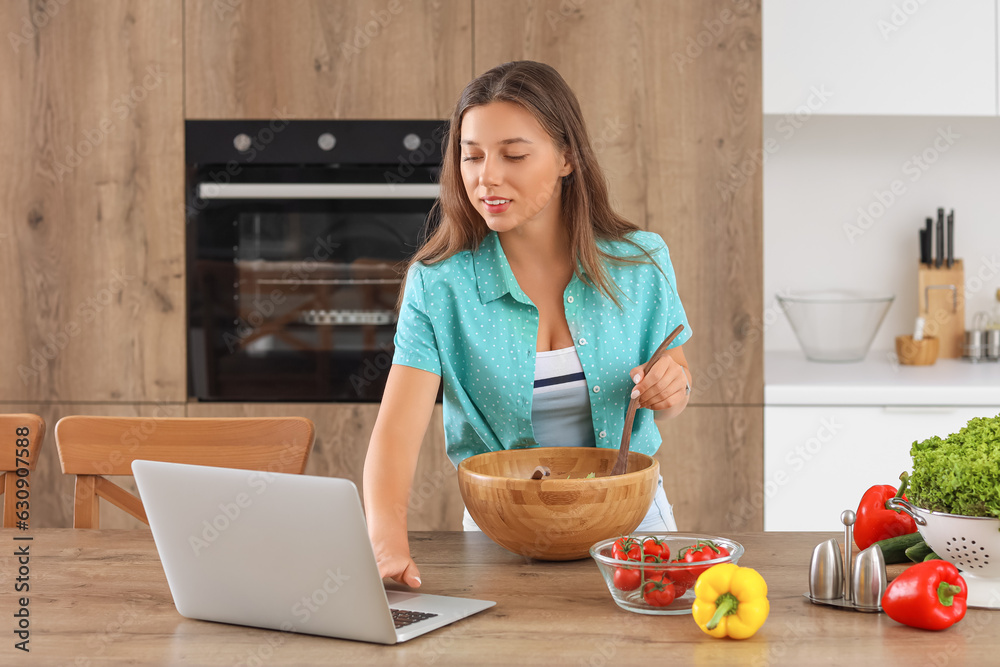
(659, 518)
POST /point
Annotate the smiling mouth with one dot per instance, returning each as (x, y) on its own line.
(496, 202)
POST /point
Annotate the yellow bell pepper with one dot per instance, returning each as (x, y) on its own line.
(730, 601)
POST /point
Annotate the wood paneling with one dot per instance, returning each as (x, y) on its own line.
(672, 96)
(326, 58)
(91, 202)
(91, 198)
(712, 464)
(710, 461)
(342, 434)
(51, 490)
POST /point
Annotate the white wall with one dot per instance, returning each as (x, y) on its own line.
(819, 170)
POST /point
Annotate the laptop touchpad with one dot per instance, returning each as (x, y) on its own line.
(395, 597)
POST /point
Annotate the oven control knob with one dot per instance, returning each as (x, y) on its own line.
(411, 142)
(327, 141)
(242, 142)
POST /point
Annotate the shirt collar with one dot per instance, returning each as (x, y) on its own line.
(493, 275)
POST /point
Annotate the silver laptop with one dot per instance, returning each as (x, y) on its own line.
(279, 551)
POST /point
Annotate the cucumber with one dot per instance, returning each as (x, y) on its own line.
(918, 552)
(894, 548)
(932, 556)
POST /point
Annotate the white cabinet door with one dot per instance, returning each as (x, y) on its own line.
(819, 461)
(895, 57)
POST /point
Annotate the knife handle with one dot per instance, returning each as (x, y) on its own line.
(951, 237)
(939, 251)
(929, 243)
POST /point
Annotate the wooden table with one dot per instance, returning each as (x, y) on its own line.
(100, 598)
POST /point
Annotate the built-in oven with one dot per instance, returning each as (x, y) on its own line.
(297, 235)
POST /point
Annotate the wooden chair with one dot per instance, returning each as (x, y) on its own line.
(90, 447)
(19, 434)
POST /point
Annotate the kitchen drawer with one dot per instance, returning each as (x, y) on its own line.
(819, 460)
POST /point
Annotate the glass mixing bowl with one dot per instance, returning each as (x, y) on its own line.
(836, 325)
(682, 574)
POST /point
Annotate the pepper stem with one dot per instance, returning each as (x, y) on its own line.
(904, 479)
(725, 605)
(946, 593)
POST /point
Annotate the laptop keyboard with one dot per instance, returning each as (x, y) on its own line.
(403, 617)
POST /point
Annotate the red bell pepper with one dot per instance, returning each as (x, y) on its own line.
(929, 595)
(874, 522)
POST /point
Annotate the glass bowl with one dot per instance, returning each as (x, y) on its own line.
(682, 575)
(836, 325)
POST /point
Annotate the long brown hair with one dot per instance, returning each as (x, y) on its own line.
(586, 211)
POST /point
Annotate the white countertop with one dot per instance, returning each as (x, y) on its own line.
(791, 379)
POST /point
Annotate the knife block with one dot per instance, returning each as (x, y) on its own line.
(941, 302)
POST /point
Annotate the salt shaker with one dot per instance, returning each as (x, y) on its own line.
(826, 571)
(869, 579)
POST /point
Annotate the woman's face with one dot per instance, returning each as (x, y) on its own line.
(509, 159)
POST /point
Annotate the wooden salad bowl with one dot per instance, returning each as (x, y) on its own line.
(556, 518)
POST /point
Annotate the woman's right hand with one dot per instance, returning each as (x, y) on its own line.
(394, 562)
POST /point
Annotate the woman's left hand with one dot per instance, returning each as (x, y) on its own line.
(664, 387)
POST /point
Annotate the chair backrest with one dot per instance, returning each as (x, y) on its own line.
(90, 447)
(21, 437)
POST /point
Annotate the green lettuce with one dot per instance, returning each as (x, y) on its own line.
(960, 474)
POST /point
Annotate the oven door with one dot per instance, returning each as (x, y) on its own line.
(293, 287)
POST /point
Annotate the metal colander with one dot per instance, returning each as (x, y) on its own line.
(970, 543)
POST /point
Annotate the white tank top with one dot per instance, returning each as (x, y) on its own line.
(560, 408)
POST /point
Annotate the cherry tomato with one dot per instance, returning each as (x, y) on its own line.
(654, 546)
(681, 585)
(702, 550)
(658, 591)
(627, 578)
(626, 548)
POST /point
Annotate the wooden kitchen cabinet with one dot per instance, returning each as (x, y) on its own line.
(712, 465)
(880, 57)
(377, 59)
(676, 126)
(342, 434)
(672, 126)
(91, 202)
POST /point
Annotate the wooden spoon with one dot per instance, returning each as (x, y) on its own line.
(622, 463)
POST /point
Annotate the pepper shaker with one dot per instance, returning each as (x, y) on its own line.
(826, 571)
(869, 578)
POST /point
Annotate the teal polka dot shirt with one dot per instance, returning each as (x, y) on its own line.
(466, 319)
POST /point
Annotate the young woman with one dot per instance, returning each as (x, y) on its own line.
(534, 302)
